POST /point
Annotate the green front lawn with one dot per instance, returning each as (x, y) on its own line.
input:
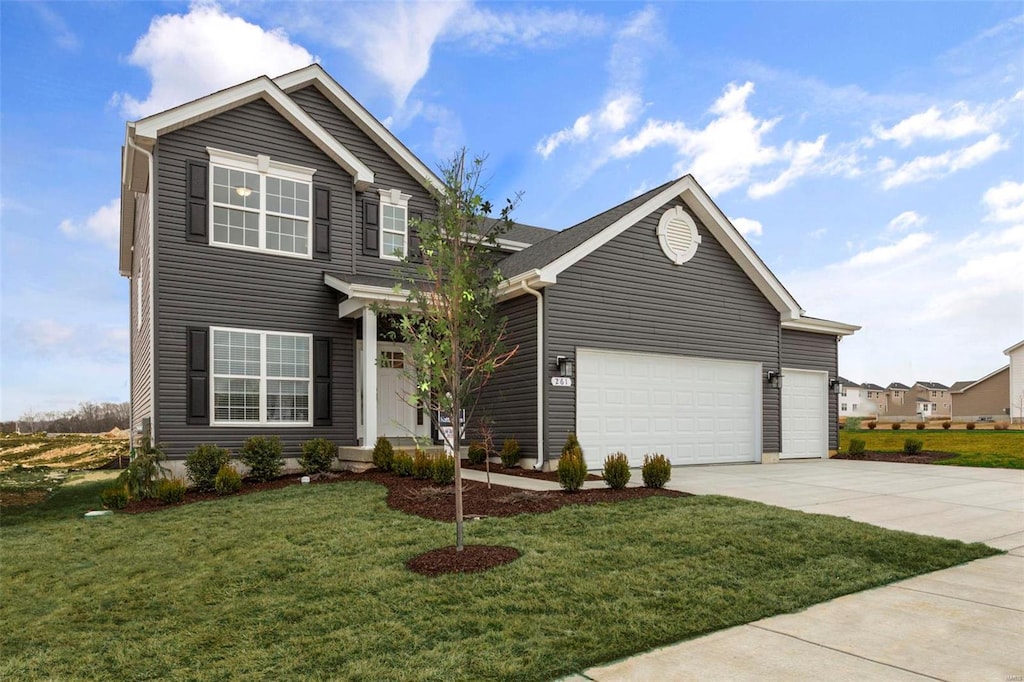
(1004, 449)
(308, 582)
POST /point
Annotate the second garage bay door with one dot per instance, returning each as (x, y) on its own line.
(692, 410)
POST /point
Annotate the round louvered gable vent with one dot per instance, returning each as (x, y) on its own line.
(678, 235)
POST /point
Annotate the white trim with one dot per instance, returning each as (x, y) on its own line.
(261, 163)
(1004, 368)
(513, 287)
(315, 75)
(369, 374)
(264, 88)
(510, 245)
(824, 416)
(262, 379)
(369, 292)
(394, 198)
(1013, 348)
(814, 325)
(678, 215)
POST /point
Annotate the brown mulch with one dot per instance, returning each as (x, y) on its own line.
(471, 559)
(525, 473)
(924, 457)
(423, 498)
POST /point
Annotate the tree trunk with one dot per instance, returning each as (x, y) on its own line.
(457, 446)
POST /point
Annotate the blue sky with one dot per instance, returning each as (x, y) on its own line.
(871, 152)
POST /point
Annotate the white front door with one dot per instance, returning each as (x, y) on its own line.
(396, 413)
(804, 414)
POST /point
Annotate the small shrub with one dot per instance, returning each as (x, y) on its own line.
(616, 471)
(572, 470)
(946, 425)
(510, 452)
(1001, 426)
(442, 469)
(317, 455)
(571, 444)
(170, 490)
(203, 463)
(401, 463)
(919, 426)
(477, 453)
(852, 424)
(656, 471)
(970, 426)
(895, 426)
(872, 425)
(912, 446)
(228, 480)
(262, 454)
(114, 497)
(420, 464)
(856, 447)
(143, 471)
(383, 453)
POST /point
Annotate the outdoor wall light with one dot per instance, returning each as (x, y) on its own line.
(774, 378)
(566, 366)
(835, 386)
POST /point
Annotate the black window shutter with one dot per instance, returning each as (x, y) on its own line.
(415, 255)
(321, 381)
(321, 222)
(197, 359)
(198, 214)
(371, 228)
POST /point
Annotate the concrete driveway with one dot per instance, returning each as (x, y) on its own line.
(963, 623)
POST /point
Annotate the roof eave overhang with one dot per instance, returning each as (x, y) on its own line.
(518, 285)
(817, 326)
(1004, 368)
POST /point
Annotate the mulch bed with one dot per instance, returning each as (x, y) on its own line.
(472, 559)
(525, 473)
(925, 457)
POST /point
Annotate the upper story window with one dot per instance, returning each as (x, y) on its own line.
(260, 204)
(394, 224)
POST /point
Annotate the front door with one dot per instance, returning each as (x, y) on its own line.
(396, 413)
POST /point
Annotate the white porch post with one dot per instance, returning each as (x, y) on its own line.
(369, 377)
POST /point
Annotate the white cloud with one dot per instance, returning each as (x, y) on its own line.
(748, 227)
(191, 55)
(930, 167)
(958, 121)
(46, 333)
(612, 117)
(905, 221)
(887, 254)
(804, 156)
(63, 36)
(1005, 202)
(487, 30)
(103, 225)
(817, 234)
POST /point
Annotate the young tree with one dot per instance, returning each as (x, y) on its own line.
(451, 321)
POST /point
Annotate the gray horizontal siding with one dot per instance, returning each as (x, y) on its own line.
(204, 285)
(806, 350)
(141, 334)
(510, 397)
(628, 296)
(387, 173)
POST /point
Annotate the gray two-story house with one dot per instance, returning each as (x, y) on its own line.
(261, 228)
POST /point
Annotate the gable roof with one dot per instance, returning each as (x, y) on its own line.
(872, 387)
(898, 385)
(962, 386)
(932, 385)
(957, 385)
(849, 384)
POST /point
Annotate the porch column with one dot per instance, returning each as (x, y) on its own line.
(369, 377)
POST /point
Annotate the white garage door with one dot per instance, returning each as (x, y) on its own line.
(804, 414)
(693, 411)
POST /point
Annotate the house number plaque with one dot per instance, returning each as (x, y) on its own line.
(561, 381)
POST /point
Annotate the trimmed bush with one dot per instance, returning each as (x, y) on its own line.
(872, 425)
(572, 470)
(946, 425)
(912, 446)
(228, 480)
(970, 426)
(852, 424)
(262, 454)
(895, 426)
(143, 471)
(616, 471)
(510, 452)
(1001, 426)
(401, 463)
(856, 447)
(919, 426)
(383, 453)
(572, 444)
(442, 469)
(170, 490)
(317, 455)
(656, 470)
(477, 453)
(114, 497)
(203, 463)
(420, 464)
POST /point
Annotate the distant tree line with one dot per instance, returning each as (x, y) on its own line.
(86, 418)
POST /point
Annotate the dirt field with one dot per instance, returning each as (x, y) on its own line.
(66, 451)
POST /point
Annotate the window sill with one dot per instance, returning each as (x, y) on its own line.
(256, 249)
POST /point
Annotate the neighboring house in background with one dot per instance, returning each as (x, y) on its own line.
(988, 397)
(935, 396)
(896, 400)
(854, 402)
(875, 395)
(1016, 354)
(262, 226)
(925, 399)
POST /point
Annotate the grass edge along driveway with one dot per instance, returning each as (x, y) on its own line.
(308, 582)
(979, 448)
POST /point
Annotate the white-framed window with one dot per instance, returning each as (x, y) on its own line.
(261, 377)
(844, 407)
(260, 204)
(855, 407)
(394, 224)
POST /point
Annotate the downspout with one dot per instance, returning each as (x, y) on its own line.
(540, 373)
(152, 303)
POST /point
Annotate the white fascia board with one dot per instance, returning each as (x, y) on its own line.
(510, 245)
(687, 189)
(513, 287)
(1013, 348)
(816, 326)
(127, 236)
(988, 376)
(315, 75)
(367, 292)
(258, 88)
